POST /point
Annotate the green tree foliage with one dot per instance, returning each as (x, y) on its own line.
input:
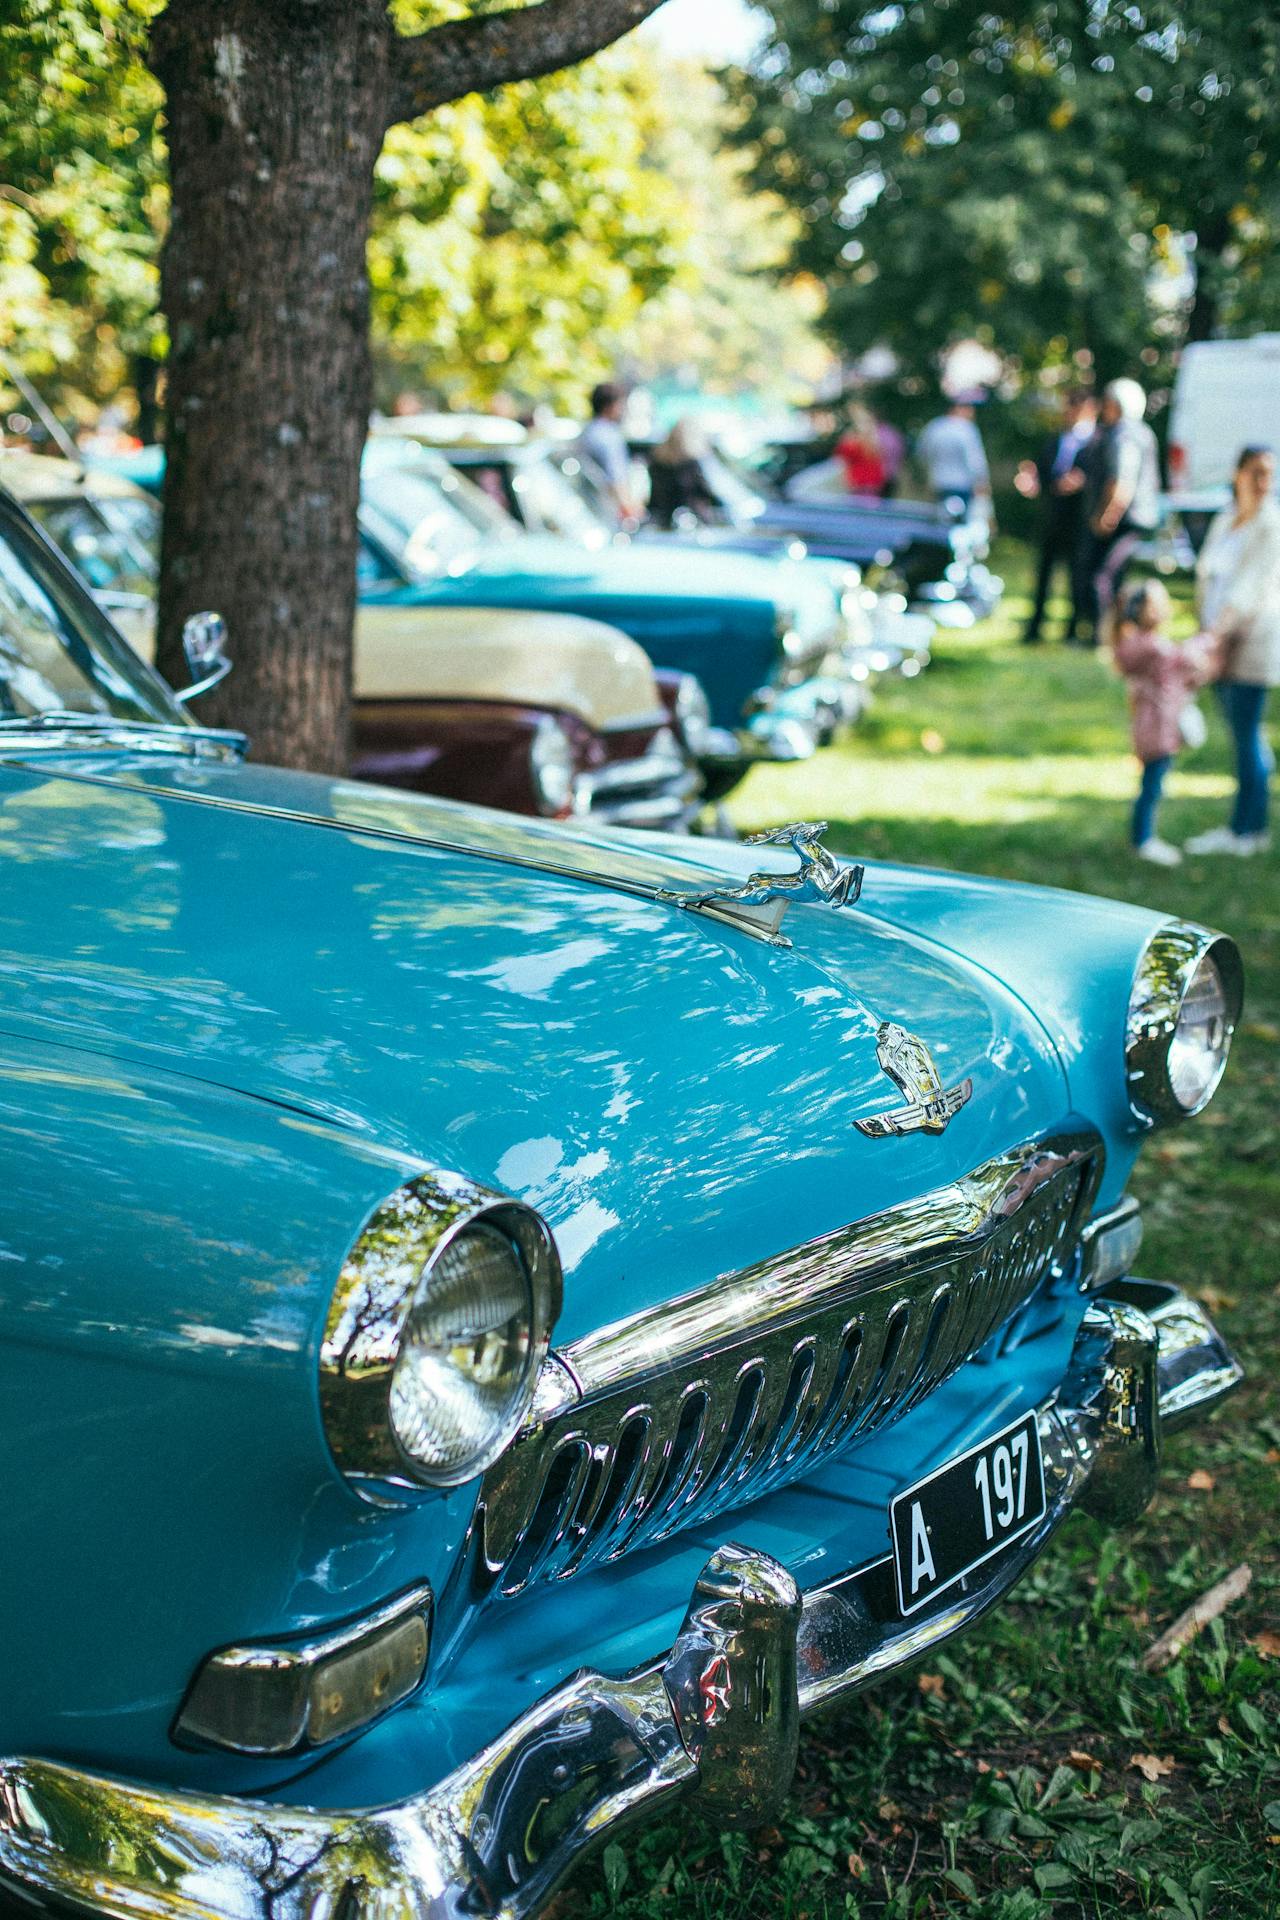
(525, 242)
(516, 235)
(82, 194)
(729, 322)
(1028, 175)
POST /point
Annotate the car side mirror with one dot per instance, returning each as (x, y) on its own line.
(204, 642)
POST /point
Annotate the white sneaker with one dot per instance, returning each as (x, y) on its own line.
(1248, 843)
(1216, 840)
(1159, 853)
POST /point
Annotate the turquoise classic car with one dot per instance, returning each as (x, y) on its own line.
(502, 1320)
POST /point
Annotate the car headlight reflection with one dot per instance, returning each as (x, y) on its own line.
(1183, 1010)
(435, 1335)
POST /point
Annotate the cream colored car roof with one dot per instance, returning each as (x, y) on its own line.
(34, 476)
(552, 660)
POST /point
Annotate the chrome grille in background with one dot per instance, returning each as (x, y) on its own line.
(709, 1401)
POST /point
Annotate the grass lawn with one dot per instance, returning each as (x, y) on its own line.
(999, 1782)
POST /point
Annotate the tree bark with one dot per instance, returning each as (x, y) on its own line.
(276, 113)
(486, 50)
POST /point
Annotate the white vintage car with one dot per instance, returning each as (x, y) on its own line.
(539, 713)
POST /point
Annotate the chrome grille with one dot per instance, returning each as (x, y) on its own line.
(711, 1400)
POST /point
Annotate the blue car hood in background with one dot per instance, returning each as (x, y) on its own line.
(678, 1097)
(681, 573)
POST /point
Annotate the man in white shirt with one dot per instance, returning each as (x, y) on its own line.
(604, 444)
(951, 452)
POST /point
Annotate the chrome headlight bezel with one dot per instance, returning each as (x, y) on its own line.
(1178, 957)
(384, 1276)
(553, 765)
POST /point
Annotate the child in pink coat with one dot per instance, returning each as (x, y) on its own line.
(1161, 677)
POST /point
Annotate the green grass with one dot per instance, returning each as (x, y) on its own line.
(998, 1783)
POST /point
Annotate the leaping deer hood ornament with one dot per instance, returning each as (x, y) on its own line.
(762, 899)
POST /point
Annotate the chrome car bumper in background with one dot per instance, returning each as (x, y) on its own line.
(718, 1715)
(659, 791)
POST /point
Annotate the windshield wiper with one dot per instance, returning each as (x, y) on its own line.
(57, 731)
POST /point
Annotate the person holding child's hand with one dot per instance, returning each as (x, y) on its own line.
(1162, 677)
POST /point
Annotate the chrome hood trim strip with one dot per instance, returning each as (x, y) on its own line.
(760, 922)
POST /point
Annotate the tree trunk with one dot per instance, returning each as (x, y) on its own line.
(276, 112)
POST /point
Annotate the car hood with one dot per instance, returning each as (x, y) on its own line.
(541, 660)
(685, 574)
(678, 1097)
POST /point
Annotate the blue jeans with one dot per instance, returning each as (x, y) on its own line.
(1144, 807)
(1244, 705)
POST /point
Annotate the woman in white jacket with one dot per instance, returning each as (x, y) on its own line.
(1238, 584)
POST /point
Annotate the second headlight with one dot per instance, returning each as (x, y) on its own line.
(1183, 1010)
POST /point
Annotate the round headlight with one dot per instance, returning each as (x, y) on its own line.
(552, 765)
(1183, 1011)
(435, 1336)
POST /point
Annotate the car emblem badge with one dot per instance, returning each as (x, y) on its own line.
(931, 1107)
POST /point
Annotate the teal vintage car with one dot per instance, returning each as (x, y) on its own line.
(765, 638)
(500, 1320)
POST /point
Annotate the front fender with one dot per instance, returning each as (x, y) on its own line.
(167, 1254)
(1069, 957)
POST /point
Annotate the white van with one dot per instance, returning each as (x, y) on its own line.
(1226, 396)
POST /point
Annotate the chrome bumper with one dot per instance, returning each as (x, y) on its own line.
(660, 792)
(718, 1715)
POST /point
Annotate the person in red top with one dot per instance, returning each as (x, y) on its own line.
(860, 454)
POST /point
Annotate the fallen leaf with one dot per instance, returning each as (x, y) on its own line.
(1224, 1725)
(1216, 1300)
(1200, 1481)
(1272, 1456)
(984, 1766)
(932, 1683)
(1084, 1763)
(1151, 1766)
(889, 1810)
(857, 1866)
(1267, 1644)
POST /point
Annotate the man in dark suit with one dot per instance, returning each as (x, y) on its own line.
(1056, 477)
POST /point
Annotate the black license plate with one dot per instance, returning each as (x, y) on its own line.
(949, 1523)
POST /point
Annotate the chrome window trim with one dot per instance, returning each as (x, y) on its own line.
(1160, 983)
(367, 1314)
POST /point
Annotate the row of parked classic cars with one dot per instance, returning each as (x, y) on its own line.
(502, 1316)
(514, 650)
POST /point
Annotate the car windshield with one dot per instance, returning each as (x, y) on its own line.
(428, 518)
(112, 543)
(554, 497)
(58, 652)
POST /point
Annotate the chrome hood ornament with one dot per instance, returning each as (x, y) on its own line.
(763, 898)
(931, 1107)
